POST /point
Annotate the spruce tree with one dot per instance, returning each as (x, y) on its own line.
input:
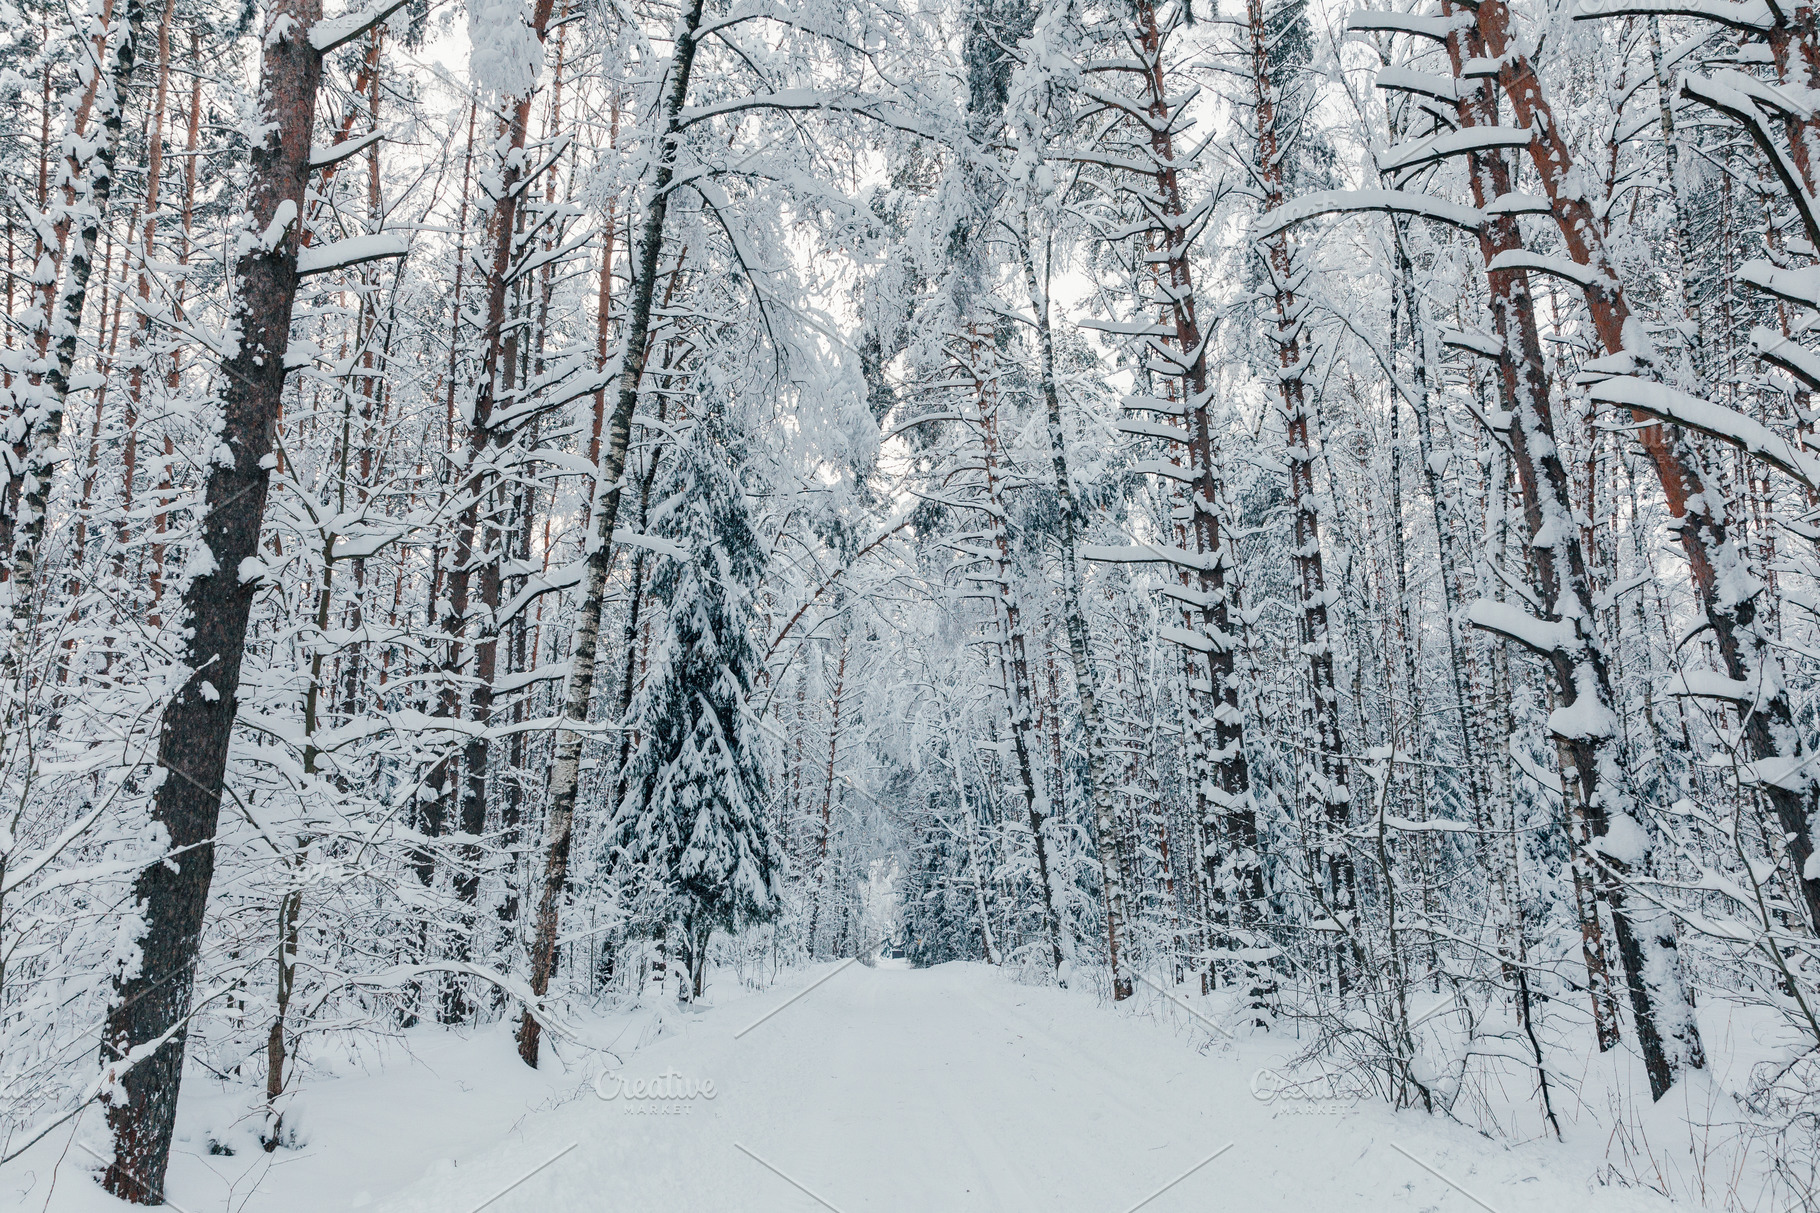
(692, 812)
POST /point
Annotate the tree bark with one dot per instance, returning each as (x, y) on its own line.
(1080, 641)
(143, 1039)
(1584, 733)
(1329, 794)
(478, 536)
(89, 187)
(819, 892)
(1209, 594)
(978, 363)
(1725, 584)
(565, 771)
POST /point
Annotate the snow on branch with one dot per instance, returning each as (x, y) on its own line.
(1715, 420)
(877, 108)
(403, 975)
(1515, 203)
(1739, 97)
(1127, 328)
(1188, 639)
(651, 543)
(1416, 152)
(1583, 276)
(1797, 286)
(1149, 553)
(1162, 467)
(1435, 28)
(1550, 780)
(322, 157)
(1512, 622)
(1482, 344)
(1428, 84)
(1396, 202)
(333, 32)
(1750, 15)
(1152, 429)
(1778, 350)
(560, 578)
(356, 250)
(1710, 684)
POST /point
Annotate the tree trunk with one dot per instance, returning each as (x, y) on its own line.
(478, 536)
(1725, 584)
(819, 893)
(1330, 797)
(565, 772)
(91, 186)
(979, 364)
(144, 1036)
(1220, 773)
(1584, 731)
(137, 344)
(1080, 641)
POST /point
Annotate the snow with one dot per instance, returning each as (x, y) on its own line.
(1551, 780)
(1625, 841)
(1710, 684)
(1483, 68)
(505, 54)
(1726, 424)
(1188, 639)
(928, 1091)
(1329, 202)
(1428, 84)
(1544, 263)
(1164, 468)
(1453, 143)
(1483, 344)
(1515, 203)
(332, 32)
(1419, 26)
(1152, 429)
(1772, 346)
(355, 250)
(1798, 286)
(1751, 15)
(1509, 619)
(1585, 717)
(1149, 553)
(322, 157)
(653, 543)
(283, 215)
(800, 99)
(1794, 774)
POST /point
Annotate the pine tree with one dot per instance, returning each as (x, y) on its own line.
(692, 816)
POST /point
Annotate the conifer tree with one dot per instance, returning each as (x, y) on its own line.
(693, 813)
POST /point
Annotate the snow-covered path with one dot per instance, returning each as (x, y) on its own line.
(956, 1089)
(848, 1089)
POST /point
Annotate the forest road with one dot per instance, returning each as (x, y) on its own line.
(955, 1088)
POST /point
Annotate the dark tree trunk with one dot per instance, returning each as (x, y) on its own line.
(152, 1005)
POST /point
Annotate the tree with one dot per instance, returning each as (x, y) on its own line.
(143, 1043)
(693, 817)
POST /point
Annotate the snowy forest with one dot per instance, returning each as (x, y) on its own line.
(521, 509)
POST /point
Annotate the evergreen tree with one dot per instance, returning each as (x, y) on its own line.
(692, 814)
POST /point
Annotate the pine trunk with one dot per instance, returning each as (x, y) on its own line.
(145, 1032)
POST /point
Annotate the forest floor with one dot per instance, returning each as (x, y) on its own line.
(928, 1091)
